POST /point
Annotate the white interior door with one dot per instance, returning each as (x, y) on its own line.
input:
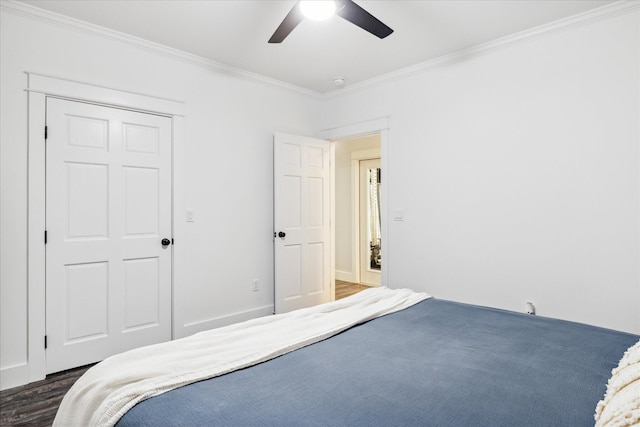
(301, 221)
(369, 223)
(108, 207)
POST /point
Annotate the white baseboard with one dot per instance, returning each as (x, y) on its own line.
(14, 376)
(216, 322)
(346, 276)
(17, 375)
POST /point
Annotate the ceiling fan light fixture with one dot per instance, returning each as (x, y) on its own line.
(318, 10)
(323, 9)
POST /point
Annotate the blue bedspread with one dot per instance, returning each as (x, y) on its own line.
(438, 363)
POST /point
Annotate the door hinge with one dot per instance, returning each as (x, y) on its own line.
(45, 237)
(46, 132)
(45, 342)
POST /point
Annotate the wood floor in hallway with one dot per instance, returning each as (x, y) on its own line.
(345, 289)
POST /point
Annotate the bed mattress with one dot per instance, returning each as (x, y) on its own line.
(437, 363)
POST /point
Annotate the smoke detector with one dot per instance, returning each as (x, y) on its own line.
(339, 82)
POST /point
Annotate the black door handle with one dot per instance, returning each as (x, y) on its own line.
(166, 242)
(282, 234)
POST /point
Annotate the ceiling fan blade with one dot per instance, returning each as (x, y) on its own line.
(353, 13)
(289, 23)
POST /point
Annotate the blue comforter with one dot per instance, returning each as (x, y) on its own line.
(438, 363)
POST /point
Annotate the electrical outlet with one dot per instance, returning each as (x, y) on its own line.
(256, 286)
(531, 309)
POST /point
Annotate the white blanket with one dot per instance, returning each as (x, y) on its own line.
(108, 390)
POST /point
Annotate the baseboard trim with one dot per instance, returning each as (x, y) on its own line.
(217, 322)
(14, 376)
(346, 276)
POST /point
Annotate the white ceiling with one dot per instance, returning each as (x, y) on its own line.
(235, 32)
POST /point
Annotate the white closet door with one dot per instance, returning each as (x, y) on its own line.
(302, 222)
(108, 197)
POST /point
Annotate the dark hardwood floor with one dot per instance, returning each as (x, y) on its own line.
(36, 404)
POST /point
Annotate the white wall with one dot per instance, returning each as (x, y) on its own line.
(517, 169)
(518, 172)
(345, 235)
(228, 172)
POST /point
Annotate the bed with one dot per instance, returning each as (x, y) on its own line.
(432, 363)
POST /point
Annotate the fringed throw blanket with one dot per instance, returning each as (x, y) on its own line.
(621, 404)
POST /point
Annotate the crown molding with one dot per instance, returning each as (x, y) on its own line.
(588, 17)
(591, 16)
(52, 18)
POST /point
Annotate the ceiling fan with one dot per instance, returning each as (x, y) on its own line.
(346, 9)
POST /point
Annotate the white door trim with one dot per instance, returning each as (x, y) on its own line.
(81, 91)
(39, 86)
(356, 157)
(379, 125)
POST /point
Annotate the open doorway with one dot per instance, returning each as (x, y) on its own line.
(357, 229)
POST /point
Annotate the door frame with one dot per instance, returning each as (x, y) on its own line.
(39, 87)
(380, 126)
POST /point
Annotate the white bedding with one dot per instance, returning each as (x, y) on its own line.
(108, 390)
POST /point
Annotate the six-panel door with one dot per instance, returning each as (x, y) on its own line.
(108, 207)
(302, 213)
